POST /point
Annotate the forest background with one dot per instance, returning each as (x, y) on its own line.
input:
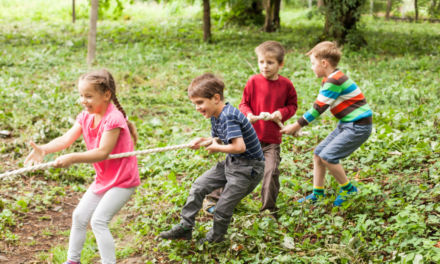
(154, 50)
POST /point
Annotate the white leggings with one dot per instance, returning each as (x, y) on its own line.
(99, 209)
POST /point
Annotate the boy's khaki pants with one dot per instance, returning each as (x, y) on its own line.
(271, 184)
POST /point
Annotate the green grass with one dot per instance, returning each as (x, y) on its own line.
(155, 50)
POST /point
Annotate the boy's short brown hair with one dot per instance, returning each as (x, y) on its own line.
(326, 50)
(206, 86)
(273, 47)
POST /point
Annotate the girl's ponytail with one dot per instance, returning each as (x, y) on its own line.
(131, 126)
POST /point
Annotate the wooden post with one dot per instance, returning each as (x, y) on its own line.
(91, 50)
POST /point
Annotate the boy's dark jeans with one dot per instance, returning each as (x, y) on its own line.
(238, 176)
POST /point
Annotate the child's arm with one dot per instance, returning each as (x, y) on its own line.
(57, 144)
(198, 142)
(245, 106)
(236, 146)
(108, 142)
(290, 107)
(291, 129)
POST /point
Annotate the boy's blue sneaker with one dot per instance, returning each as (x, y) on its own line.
(311, 197)
(211, 209)
(344, 195)
(71, 262)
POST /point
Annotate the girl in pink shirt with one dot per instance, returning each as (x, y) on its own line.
(106, 130)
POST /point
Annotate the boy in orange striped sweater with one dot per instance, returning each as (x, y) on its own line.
(348, 104)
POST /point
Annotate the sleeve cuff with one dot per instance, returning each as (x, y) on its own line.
(302, 122)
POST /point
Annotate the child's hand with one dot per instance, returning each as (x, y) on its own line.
(291, 129)
(277, 116)
(252, 118)
(36, 156)
(195, 143)
(64, 161)
(214, 147)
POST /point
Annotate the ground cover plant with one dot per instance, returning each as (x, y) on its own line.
(154, 51)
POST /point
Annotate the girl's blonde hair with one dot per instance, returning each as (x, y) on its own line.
(103, 81)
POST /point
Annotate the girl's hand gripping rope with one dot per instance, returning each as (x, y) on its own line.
(36, 156)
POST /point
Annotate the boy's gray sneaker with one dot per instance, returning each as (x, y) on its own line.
(177, 232)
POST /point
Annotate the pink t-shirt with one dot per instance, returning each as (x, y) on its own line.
(122, 172)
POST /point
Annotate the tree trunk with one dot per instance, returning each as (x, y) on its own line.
(272, 20)
(268, 6)
(73, 12)
(389, 5)
(206, 21)
(310, 4)
(276, 15)
(416, 8)
(91, 51)
(320, 3)
(372, 7)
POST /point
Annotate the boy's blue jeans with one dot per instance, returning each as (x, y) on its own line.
(238, 176)
(344, 140)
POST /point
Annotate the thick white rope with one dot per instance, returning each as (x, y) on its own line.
(114, 156)
(266, 116)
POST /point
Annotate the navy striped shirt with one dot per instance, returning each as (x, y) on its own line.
(230, 124)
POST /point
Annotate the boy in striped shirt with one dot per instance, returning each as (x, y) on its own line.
(239, 174)
(346, 103)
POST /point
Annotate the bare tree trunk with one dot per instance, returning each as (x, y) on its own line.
(320, 3)
(310, 4)
(73, 11)
(372, 7)
(268, 6)
(389, 5)
(416, 7)
(276, 14)
(272, 20)
(91, 51)
(206, 21)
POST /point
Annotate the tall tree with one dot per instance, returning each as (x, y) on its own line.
(341, 18)
(272, 20)
(206, 21)
(73, 11)
(389, 5)
(91, 50)
(416, 8)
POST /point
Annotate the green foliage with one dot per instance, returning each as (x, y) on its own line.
(341, 18)
(244, 12)
(394, 219)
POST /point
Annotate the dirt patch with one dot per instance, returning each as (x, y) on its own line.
(38, 232)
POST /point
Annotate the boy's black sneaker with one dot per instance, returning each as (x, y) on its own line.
(177, 232)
